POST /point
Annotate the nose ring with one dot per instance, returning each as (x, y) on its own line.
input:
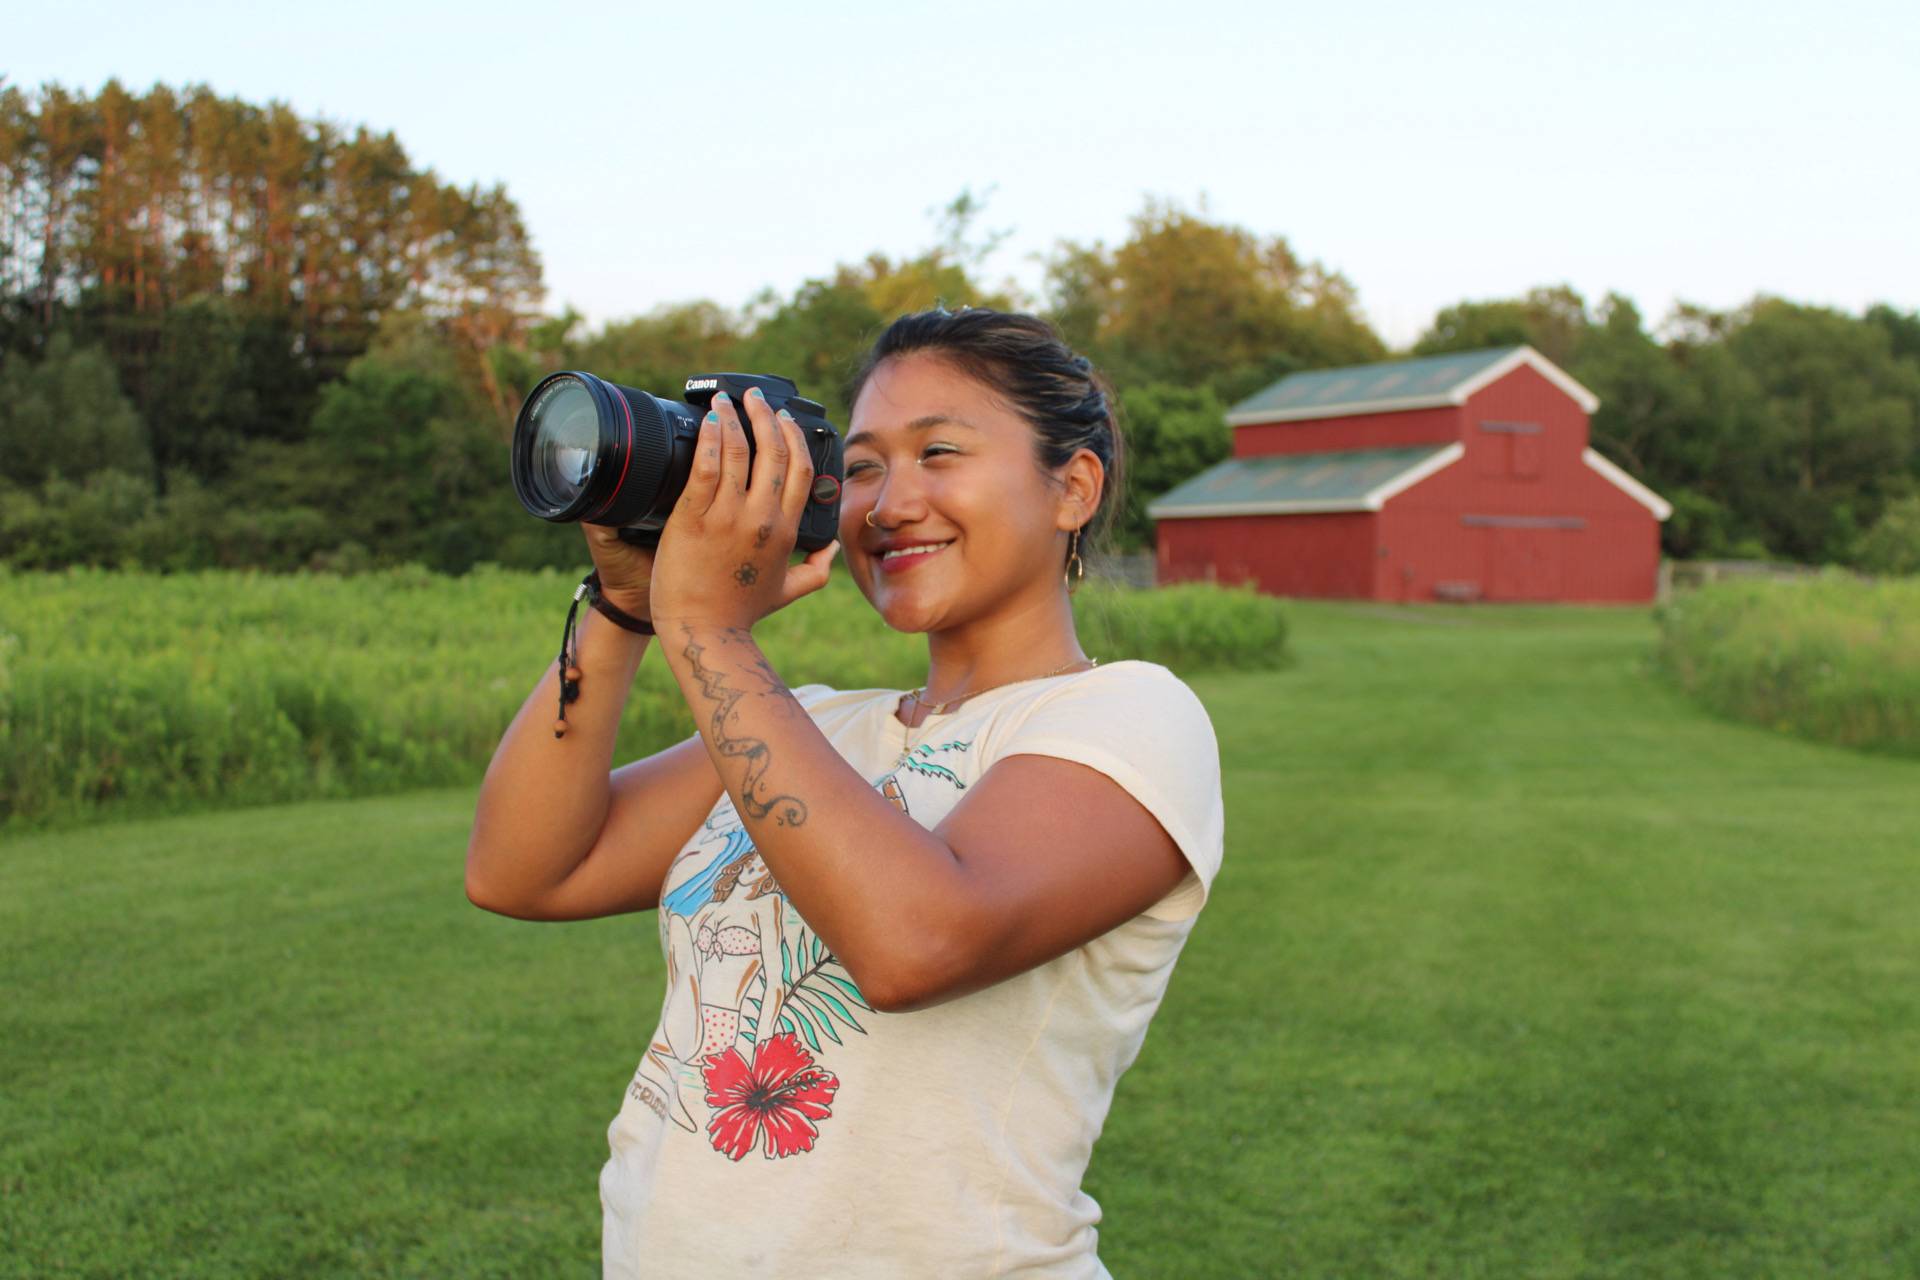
(870, 523)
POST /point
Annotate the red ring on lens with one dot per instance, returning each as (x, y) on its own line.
(825, 489)
(624, 462)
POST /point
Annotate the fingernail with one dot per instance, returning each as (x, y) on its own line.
(713, 415)
(720, 397)
(787, 415)
(756, 393)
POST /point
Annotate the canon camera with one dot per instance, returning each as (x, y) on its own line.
(588, 449)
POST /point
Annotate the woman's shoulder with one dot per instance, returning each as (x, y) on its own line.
(824, 697)
(1128, 677)
(1130, 690)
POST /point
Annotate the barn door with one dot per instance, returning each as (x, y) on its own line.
(1525, 564)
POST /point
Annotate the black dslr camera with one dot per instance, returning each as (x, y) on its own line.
(588, 449)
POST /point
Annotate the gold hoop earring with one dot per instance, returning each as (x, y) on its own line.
(1076, 569)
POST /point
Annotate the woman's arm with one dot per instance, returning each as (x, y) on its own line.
(554, 836)
(1041, 855)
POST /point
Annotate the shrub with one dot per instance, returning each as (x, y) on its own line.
(136, 692)
(1828, 657)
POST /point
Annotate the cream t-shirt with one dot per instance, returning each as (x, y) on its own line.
(778, 1126)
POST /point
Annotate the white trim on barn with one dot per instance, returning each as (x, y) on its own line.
(1540, 365)
(1372, 500)
(1454, 395)
(1632, 488)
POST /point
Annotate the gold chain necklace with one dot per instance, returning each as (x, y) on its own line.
(940, 708)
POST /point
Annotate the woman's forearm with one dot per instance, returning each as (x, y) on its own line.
(544, 798)
(879, 888)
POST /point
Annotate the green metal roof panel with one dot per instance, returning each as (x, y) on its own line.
(1334, 478)
(1333, 389)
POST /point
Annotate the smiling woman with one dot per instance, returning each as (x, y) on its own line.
(912, 939)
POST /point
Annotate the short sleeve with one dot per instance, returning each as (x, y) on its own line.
(1140, 724)
(808, 694)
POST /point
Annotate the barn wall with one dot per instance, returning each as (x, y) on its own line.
(1362, 431)
(1304, 555)
(1558, 531)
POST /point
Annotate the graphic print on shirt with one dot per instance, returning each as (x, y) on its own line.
(747, 982)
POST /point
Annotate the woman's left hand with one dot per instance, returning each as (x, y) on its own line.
(722, 559)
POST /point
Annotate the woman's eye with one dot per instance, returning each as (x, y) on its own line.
(931, 451)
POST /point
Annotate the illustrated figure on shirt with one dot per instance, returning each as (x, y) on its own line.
(725, 931)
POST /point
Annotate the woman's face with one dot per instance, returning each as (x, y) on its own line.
(943, 464)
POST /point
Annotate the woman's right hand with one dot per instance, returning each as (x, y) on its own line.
(626, 571)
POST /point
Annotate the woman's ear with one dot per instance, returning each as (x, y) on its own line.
(1082, 483)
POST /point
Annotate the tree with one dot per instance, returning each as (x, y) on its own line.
(1170, 432)
(64, 416)
(1552, 320)
(1893, 544)
(1188, 301)
(1837, 430)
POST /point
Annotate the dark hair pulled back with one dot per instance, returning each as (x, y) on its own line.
(1068, 403)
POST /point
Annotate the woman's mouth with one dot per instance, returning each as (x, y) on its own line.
(904, 558)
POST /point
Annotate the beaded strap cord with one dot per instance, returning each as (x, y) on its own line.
(588, 590)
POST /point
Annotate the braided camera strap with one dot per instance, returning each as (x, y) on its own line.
(588, 590)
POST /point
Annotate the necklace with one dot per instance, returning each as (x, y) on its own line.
(940, 708)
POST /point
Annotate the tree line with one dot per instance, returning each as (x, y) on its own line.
(231, 336)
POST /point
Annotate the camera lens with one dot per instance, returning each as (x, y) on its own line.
(566, 443)
(588, 449)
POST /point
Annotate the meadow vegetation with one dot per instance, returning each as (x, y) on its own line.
(1520, 963)
(124, 693)
(1830, 657)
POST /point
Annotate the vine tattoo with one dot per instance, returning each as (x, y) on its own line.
(786, 810)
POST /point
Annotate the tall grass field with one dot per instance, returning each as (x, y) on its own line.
(1833, 658)
(1521, 963)
(125, 694)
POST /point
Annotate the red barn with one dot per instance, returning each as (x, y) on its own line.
(1458, 477)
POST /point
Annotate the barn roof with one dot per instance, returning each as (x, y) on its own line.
(1287, 483)
(1428, 382)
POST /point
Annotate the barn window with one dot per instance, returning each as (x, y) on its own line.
(1520, 459)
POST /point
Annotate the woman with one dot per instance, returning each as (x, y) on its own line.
(913, 939)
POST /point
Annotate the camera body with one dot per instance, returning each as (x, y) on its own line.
(585, 449)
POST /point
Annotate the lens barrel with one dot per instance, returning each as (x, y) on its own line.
(588, 449)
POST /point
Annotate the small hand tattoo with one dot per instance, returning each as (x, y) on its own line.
(764, 532)
(746, 575)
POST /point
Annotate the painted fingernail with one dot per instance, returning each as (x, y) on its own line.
(721, 397)
(756, 393)
(787, 414)
(713, 415)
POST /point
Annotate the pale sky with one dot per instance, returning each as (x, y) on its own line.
(1431, 153)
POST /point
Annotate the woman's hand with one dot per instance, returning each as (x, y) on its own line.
(626, 570)
(723, 552)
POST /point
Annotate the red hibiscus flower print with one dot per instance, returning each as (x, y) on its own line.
(773, 1103)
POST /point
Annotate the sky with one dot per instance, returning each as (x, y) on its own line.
(1675, 151)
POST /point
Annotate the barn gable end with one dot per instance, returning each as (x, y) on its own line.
(1466, 476)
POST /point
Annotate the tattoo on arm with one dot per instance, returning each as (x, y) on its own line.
(786, 810)
(761, 535)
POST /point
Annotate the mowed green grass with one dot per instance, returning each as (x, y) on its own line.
(1519, 965)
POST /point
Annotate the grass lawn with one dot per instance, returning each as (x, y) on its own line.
(1519, 965)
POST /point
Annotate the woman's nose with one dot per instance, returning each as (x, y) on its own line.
(899, 501)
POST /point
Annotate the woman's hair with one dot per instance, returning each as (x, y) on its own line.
(1066, 401)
